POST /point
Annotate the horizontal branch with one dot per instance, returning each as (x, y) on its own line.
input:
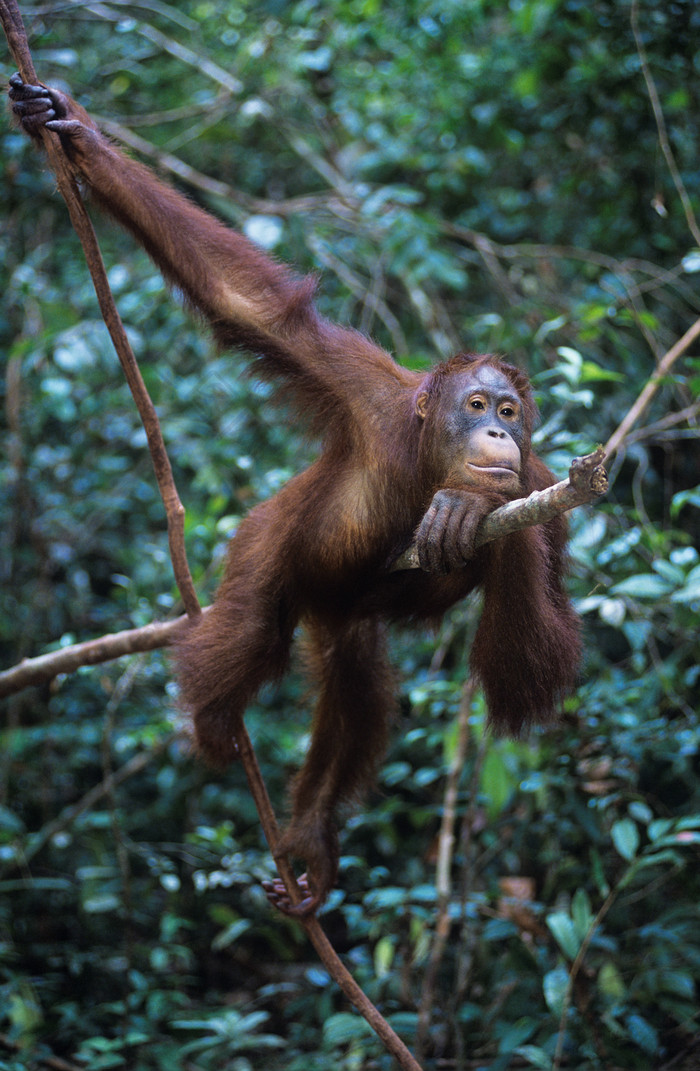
(32, 671)
(587, 481)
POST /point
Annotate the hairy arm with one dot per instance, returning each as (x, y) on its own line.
(250, 300)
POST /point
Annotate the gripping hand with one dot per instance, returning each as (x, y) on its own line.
(445, 537)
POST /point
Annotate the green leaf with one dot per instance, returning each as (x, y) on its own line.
(581, 913)
(497, 782)
(383, 956)
(690, 591)
(562, 927)
(612, 612)
(535, 1056)
(518, 1032)
(555, 986)
(675, 574)
(655, 859)
(643, 586)
(231, 934)
(590, 372)
(683, 498)
(660, 827)
(625, 837)
(678, 982)
(610, 983)
(641, 811)
(643, 1034)
(100, 903)
(10, 822)
(343, 1027)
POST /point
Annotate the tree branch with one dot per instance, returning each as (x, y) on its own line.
(587, 481)
(17, 40)
(650, 388)
(45, 667)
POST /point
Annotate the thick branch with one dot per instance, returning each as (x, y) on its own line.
(587, 481)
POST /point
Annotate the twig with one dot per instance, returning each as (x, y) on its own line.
(355, 285)
(661, 126)
(45, 667)
(587, 481)
(168, 161)
(649, 390)
(185, 55)
(329, 957)
(663, 429)
(69, 814)
(573, 974)
(446, 846)
(467, 937)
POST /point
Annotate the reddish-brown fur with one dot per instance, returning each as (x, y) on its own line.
(319, 551)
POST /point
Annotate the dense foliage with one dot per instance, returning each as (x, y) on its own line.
(478, 175)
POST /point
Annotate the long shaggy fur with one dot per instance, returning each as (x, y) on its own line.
(317, 553)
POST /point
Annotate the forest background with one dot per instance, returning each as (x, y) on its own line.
(520, 178)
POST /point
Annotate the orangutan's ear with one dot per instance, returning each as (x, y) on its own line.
(421, 407)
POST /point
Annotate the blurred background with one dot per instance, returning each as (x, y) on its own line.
(512, 177)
